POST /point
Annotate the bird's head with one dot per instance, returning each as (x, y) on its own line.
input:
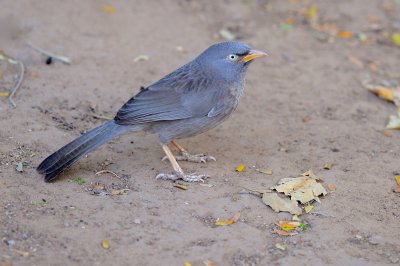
(229, 60)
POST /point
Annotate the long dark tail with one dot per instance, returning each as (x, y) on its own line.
(73, 151)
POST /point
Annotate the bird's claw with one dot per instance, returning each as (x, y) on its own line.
(197, 158)
(184, 177)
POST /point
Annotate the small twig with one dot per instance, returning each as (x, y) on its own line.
(60, 58)
(19, 80)
(101, 116)
(107, 171)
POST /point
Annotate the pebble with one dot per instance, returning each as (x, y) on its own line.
(137, 221)
(375, 239)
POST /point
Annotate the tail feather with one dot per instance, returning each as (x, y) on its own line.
(70, 153)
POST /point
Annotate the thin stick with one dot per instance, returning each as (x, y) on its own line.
(101, 116)
(107, 171)
(60, 58)
(19, 80)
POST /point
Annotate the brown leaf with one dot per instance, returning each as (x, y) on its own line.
(183, 187)
(328, 166)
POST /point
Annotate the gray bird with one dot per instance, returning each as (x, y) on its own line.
(192, 99)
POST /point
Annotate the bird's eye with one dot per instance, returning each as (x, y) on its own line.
(232, 57)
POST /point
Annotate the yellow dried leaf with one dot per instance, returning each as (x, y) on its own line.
(105, 244)
(397, 178)
(384, 93)
(308, 208)
(395, 39)
(312, 11)
(4, 94)
(226, 222)
(280, 246)
(108, 9)
(344, 34)
(187, 264)
(284, 233)
(394, 122)
(287, 225)
(235, 218)
(183, 187)
(328, 166)
(240, 168)
(331, 187)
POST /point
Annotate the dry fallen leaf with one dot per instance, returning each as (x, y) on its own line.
(397, 178)
(288, 225)
(384, 93)
(281, 204)
(229, 221)
(355, 61)
(280, 246)
(331, 187)
(344, 34)
(304, 188)
(4, 94)
(187, 264)
(308, 208)
(119, 192)
(296, 218)
(240, 168)
(284, 233)
(394, 121)
(105, 244)
(108, 9)
(21, 252)
(328, 166)
(395, 39)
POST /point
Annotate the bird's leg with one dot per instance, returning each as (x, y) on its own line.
(179, 174)
(186, 156)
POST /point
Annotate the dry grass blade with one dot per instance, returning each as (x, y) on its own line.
(107, 171)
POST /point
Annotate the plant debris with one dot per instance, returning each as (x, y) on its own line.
(105, 244)
(183, 187)
(142, 57)
(328, 166)
(20, 76)
(265, 171)
(279, 204)
(303, 189)
(240, 168)
(235, 218)
(79, 180)
(49, 55)
(280, 246)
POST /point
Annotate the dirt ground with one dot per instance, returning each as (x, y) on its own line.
(303, 106)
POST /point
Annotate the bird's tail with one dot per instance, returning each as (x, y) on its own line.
(73, 151)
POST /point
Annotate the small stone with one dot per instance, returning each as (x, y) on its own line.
(19, 167)
(66, 224)
(137, 221)
(375, 239)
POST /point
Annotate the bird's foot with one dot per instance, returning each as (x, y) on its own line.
(184, 177)
(196, 158)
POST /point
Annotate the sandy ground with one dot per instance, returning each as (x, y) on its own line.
(303, 106)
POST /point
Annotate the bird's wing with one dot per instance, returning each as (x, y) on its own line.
(179, 95)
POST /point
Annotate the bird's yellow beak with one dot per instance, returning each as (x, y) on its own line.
(253, 55)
